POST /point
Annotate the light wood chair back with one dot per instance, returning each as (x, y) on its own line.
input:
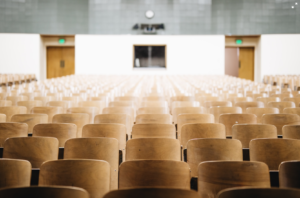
(154, 173)
(291, 131)
(122, 104)
(201, 130)
(99, 104)
(210, 149)
(154, 98)
(259, 112)
(44, 191)
(73, 100)
(153, 149)
(30, 119)
(279, 120)
(248, 192)
(295, 100)
(61, 131)
(34, 149)
(99, 148)
(230, 119)
(120, 110)
(14, 173)
(91, 175)
(176, 104)
(290, 110)
(191, 110)
(115, 119)
(217, 111)
(152, 110)
(12, 129)
(16, 99)
(154, 104)
(153, 131)
(153, 119)
(91, 111)
(10, 111)
(209, 104)
(289, 172)
(245, 105)
(2, 118)
(152, 192)
(247, 132)
(214, 176)
(5, 103)
(44, 99)
(80, 119)
(50, 111)
(267, 100)
(282, 105)
(64, 104)
(30, 104)
(274, 151)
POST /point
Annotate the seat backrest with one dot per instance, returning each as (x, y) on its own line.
(44, 191)
(291, 131)
(14, 172)
(99, 104)
(154, 173)
(229, 119)
(34, 149)
(120, 110)
(153, 131)
(191, 110)
(250, 192)
(176, 104)
(15, 99)
(115, 119)
(152, 110)
(12, 129)
(259, 112)
(80, 119)
(267, 100)
(247, 132)
(292, 110)
(30, 104)
(209, 104)
(282, 105)
(152, 192)
(245, 105)
(5, 103)
(44, 99)
(201, 130)
(92, 111)
(30, 119)
(100, 148)
(50, 111)
(289, 174)
(217, 111)
(153, 149)
(274, 151)
(209, 149)
(214, 176)
(91, 175)
(64, 104)
(153, 119)
(10, 111)
(154, 104)
(279, 120)
(61, 131)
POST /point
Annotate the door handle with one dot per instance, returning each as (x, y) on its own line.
(62, 64)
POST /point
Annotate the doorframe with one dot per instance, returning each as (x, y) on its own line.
(248, 41)
(52, 41)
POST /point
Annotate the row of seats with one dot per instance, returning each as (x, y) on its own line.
(113, 133)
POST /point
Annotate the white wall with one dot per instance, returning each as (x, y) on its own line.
(104, 54)
(20, 53)
(280, 54)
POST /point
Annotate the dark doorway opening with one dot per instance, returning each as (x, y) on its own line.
(149, 56)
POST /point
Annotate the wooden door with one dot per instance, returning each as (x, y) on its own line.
(60, 61)
(246, 63)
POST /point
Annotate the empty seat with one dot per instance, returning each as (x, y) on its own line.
(12, 129)
(30, 119)
(64, 104)
(5, 103)
(91, 111)
(274, 151)
(44, 191)
(201, 130)
(14, 173)
(209, 149)
(120, 110)
(91, 175)
(289, 174)
(80, 119)
(245, 105)
(10, 111)
(96, 148)
(153, 119)
(259, 112)
(231, 119)
(153, 149)
(250, 192)
(154, 104)
(2, 118)
(153, 131)
(99, 104)
(61, 131)
(282, 105)
(295, 100)
(191, 110)
(279, 120)
(16, 99)
(217, 111)
(30, 104)
(152, 192)
(176, 104)
(247, 132)
(267, 100)
(50, 111)
(209, 104)
(154, 173)
(153, 110)
(214, 176)
(44, 99)
(291, 131)
(34, 149)
(295, 110)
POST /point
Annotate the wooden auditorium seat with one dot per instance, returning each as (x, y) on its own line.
(10, 111)
(50, 111)
(153, 131)
(30, 119)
